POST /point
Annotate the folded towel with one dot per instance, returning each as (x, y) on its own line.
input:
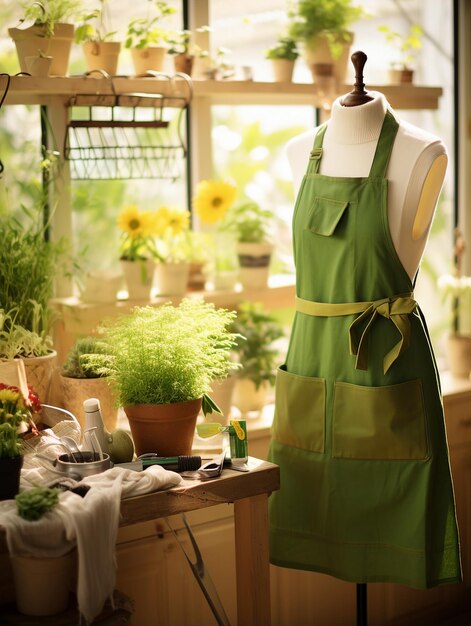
(91, 523)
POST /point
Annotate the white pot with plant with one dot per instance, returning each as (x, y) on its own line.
(406, 47)
(29, 265)
(283, 56)
(101, 53)
(257, 331)
(163, 361)
(147, 40)
(172, 250)
(324, 29)
(50, 33)
(137, 251)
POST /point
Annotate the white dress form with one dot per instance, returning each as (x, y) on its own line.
(415, 173)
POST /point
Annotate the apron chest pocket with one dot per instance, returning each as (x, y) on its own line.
(299, 411)
(326, 215)
(379, 423)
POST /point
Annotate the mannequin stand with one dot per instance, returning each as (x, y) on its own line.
(362, 607)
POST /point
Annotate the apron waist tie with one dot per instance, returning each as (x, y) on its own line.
(396, 309)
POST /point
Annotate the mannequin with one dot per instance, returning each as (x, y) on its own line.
(415, 173)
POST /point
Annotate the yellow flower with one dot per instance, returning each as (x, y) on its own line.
(8, 396)
(135, 223)
(161, 220)
(179, 221)
(213, 199)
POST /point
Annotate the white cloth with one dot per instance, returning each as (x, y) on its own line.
(90, 523)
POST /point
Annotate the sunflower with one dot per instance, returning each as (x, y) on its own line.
(179, 221)
(213, 199)
(161, 220)
(135, 223)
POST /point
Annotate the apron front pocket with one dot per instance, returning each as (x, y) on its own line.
(299, 411)
(325, 216)
(379, 423)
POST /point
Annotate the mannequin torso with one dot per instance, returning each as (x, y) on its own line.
(415, 173)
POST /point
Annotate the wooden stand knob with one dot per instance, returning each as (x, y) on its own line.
(358, 96)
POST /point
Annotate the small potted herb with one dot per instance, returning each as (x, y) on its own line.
(147, 40)
(101, 53)
(283, 56)
(172, 250)
(406, 47)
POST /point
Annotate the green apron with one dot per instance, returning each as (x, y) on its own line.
(366, 492)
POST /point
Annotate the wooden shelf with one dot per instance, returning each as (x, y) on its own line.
(33, 90)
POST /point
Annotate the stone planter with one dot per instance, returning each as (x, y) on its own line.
(145, 59)
(74, 391)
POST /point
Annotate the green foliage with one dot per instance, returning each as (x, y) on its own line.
(143, 31)
(28, 266)
(97, 31)
(33, 503)
(257, 331)
(169, 354)
(17, 341)
(81, 360)
(250, 222)
(51, 12)
(284, 49)
(13, 412)
(406, 45)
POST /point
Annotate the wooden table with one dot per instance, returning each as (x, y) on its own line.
(249, 492)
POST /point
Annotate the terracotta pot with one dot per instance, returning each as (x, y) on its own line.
(39, 371)
(197, 277)
(166, 429)
(183, 63)
(10, 471)
(151, 58)
(139, 277)
(42, 584)
(254, 262)
(102, 55)
(401, 77)
(171, 279)
(74, 391)
(29, 40)
(459, 355)
(319, 57)
(282, 70)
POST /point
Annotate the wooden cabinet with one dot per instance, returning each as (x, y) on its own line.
(153, 571)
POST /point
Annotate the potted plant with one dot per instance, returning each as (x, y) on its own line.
(406, 46)
(28, 266)
(181, 49)
(83, 376)
(323, 27)
(163, 360)
(283, 56)
(101, 53)
(15, 410)
(50, 33)
(256, 332)
(172, 250)
(199, 259)
(137, 251)
(39, 64)
(146, 40)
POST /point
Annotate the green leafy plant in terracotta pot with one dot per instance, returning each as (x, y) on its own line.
(84, 376)
(29, 265)
(406, 47)
(50, 32)
(257, 331)
(101, 52)
(283, 56)
(163, 362)
(324, 28)
(15, 410)
(147, 40)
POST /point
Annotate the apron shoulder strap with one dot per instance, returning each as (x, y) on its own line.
(316, 152)
(384, 146)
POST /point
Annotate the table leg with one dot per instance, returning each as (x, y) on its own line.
(252, 561)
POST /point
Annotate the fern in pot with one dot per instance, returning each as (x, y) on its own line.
(163, 361)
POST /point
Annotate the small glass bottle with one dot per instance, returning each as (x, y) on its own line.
(94, 419)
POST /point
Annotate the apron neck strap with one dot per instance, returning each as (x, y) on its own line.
(384, 146)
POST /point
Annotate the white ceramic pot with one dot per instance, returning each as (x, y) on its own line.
(101, 286)
(171, 279)
(139, 277)
(145, 59)
(102, 55)
(254, 264)
(247, 397)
